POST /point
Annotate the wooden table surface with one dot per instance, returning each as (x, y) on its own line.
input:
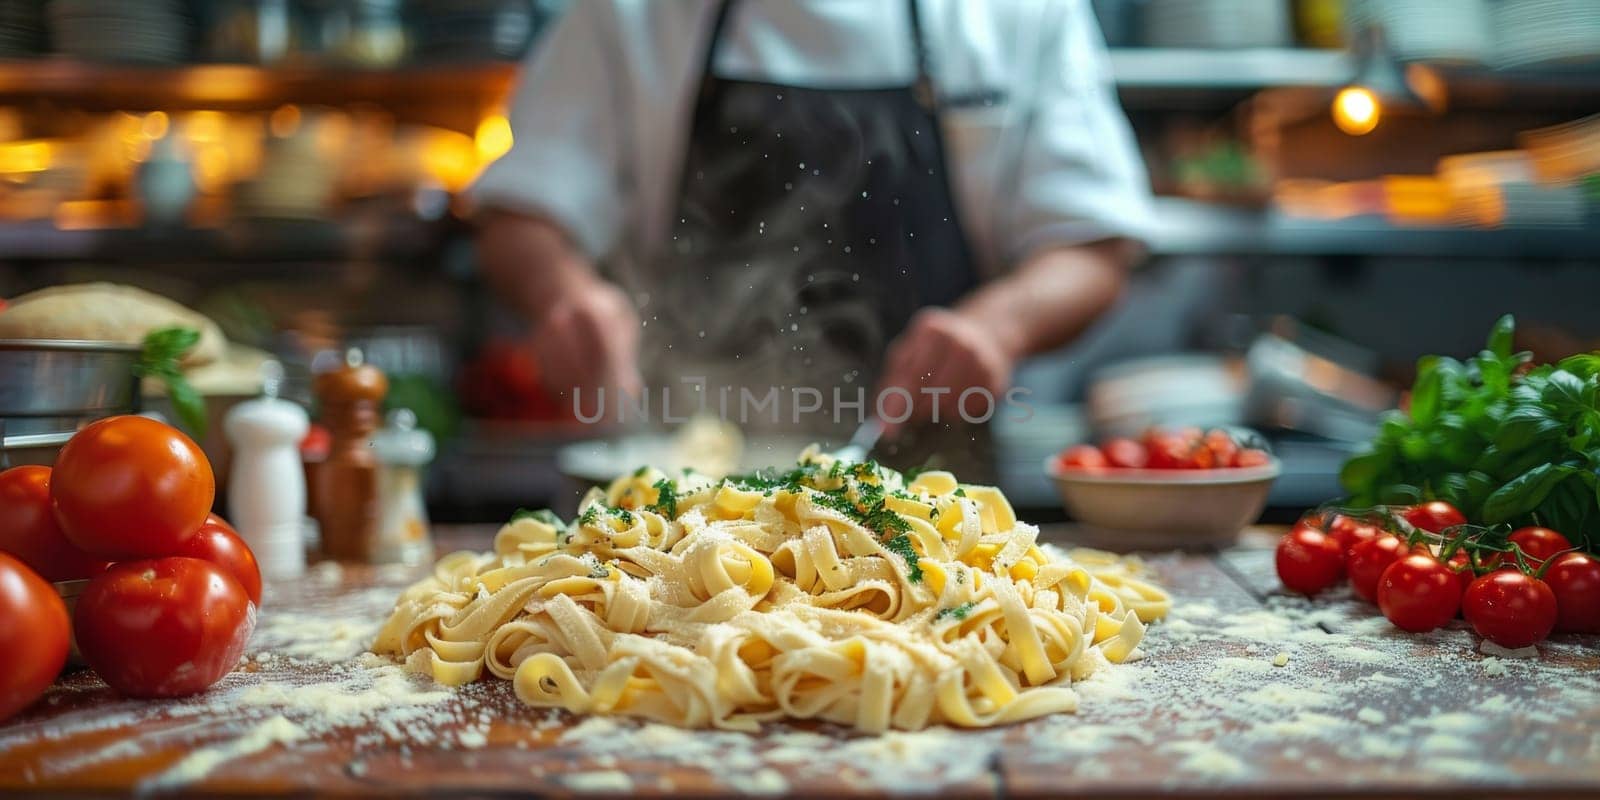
(1358, 708)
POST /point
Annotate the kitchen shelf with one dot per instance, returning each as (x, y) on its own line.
(252, 241)
(1248, 69)
(247, 87)
(1188, 227)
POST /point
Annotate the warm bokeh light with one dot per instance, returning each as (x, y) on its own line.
(285, 121)
(155, 124)
(18, 157)
(493, 138)
(1356, 111)
(203, 127)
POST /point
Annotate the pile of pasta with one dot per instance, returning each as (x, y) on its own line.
(839, 592)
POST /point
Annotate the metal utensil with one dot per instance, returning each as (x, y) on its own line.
(49, 387)
(861, 442)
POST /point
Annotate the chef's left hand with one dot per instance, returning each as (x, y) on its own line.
(944, 352)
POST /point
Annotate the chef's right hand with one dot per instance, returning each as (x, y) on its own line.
(588, 338)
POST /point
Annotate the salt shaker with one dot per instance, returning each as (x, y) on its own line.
(403, 450)
(346, 487)
(266, 487)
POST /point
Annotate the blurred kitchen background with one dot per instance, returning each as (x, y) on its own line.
(1344, 185)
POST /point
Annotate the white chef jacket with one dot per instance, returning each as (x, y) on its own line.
(604, 104)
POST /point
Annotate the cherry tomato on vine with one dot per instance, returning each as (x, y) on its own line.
(218, 543)
(1126, 454)
(1433, 516)
(1348, 531)
(131, 487)
(1082, 456)
(164, 627)
(1419, 593)
(1538, 544)
(33, 635)
(1575, 580)
(1461, 565)
(28, 528)
(1308, 560)
(1367, 560)
(1510, 609)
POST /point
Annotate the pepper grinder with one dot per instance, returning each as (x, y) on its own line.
(403, 450)
(266, 485)
(346, 484)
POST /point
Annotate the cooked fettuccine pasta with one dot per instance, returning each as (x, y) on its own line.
(835, 591)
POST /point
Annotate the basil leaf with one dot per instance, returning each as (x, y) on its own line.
(1525, 425)
(1425, 393)
(1501, 336)
(1564, 392)
(159, 357)
(1523, 493)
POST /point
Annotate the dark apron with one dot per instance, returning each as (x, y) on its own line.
(811, 224)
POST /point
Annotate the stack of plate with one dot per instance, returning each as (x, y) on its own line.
(471, 30)
(1218, 23)
(151, 31)
(1429, 30)
(1529, 32)
(21, 28)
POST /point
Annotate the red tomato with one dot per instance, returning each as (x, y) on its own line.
(1126, 453)
(1538, 545)
(1461, 564)
(28, 528)
(1510, 609)
(1575, 580)
(1170, 451)
(1082, 456)
(217, 543)
(1223, 448)
(1308, 560)
(1367, 560)
(33, 636)
(164, 627)
(1251, 457)
(1419, 593)
(1433, 517)
(1349, 531)
(131, 487)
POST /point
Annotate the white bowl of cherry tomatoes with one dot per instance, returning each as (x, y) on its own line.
(1168, 488)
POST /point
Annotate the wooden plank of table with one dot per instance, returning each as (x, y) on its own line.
(1359, 707)
(1357, 710)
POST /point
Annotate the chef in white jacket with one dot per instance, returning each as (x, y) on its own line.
(892, 193)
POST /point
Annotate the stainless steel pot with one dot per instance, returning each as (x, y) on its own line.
(49, 388)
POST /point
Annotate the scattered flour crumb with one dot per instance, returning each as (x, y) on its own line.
(1205, 758)
(1280, 660)
(200, 763)
(474, 739)
(1491, 649)
(598, 782)
(1494, 666)
(1371, 716)
(1281, 695)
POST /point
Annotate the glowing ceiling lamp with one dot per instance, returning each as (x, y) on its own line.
(1382, 86)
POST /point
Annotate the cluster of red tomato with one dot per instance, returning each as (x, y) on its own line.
(173, 591)
(1423, 565)
(1159, 448)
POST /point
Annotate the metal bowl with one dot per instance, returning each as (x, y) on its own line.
(49, 387)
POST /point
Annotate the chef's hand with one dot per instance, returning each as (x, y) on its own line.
(588, 338)
(945, 352)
